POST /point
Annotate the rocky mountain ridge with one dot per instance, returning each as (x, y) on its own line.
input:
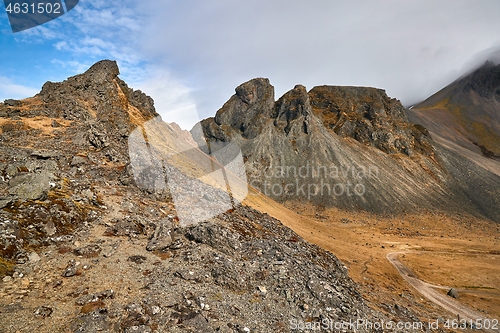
(367, 115)
(355, 147)
(83, 249)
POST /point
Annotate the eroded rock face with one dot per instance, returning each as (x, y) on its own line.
(315, 131)
(292, 111)
(370, 117)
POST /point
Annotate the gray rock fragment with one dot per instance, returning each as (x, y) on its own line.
(78, 160)
(5, 201)
(89, 251)
(71, 269)
(43, 311)
(44, 154)
(33, 257)
(187, 274)
(85, 299)
(199, 323)
(95, 321)
(137, 259)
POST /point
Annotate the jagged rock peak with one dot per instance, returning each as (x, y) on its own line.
(102, 71)
(246, 110)
(97, 93)
(254, 90)
(293, 108)
(295, 99)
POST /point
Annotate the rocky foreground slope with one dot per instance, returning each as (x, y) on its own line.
(83, 249)
(347, 147)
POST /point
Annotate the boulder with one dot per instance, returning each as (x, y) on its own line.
(78, 160)
(12, 102)
(30, 186)
(453, 293)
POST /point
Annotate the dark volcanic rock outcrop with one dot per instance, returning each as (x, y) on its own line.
(347, 147)
(95, 109)
(367, 115)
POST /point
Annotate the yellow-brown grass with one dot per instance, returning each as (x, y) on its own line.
(364, 241)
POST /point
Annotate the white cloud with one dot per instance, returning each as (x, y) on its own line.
(76, 67)
(105, 30)
(173, 99)
(411, 49)
(9, 89)
(40, 33)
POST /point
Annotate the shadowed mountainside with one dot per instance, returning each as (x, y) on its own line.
(467, 111)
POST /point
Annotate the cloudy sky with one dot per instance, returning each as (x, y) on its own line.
(190, 55)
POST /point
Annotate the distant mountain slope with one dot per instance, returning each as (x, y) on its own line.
(467, 111)
(346, 147)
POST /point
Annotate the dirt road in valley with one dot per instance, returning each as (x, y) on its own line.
(430, 292)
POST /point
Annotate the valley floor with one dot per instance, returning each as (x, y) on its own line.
(441, 250)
